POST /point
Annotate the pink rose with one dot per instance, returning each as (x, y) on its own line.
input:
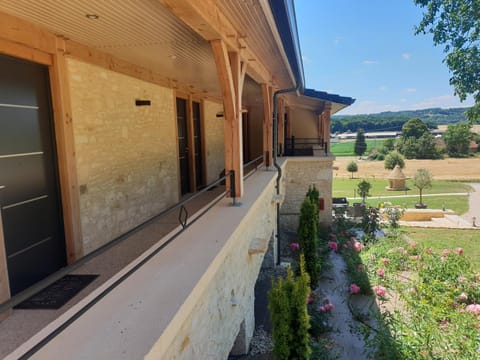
(332, 236)
(415, 257)
(429, 251)
(294, 246)
(354, 288)
(445, 252)
(357, 246)
(380, 291)
(380, 272)
(459, 251)
(463, 297)
(333, 245)
(473, 308)
(360, 267)
(385, 261)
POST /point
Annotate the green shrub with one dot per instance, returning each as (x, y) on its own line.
(308, 238)
(290, 320)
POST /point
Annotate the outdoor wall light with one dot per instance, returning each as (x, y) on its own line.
(139, 102)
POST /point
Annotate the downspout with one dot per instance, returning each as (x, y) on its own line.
(297, 88)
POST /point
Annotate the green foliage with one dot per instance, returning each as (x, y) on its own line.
(393, 216)
(455, 25)
(414, 128)
(352, 167)
(422, 180)
(360, 145)
(457, 138)
(363, 189)
(394, 158)
(308, 238)
(429, 293)
(417, 142)
(288, 311)
(370, 224)
(388, 145)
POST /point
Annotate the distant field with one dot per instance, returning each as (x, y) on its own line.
(447, 169)
(345, 148)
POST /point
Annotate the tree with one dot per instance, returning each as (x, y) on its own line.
(352, 167)
(417, 142)
(414, 127)
(455, 25)
(360, 143)
(363, 188)
(457, 138)
(422, 180)
(394, 158)
(388, 145)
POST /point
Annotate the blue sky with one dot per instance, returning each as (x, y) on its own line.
(366, 49)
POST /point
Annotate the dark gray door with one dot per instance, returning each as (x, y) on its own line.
(183, 145)
(197, 134)
(29, 200)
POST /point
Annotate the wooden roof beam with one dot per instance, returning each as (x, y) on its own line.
(207, 20)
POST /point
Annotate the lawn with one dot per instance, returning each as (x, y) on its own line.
(345, 148)
(439, 239)
(347, 188)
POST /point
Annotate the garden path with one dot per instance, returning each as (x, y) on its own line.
(473, 204)
(347, 342)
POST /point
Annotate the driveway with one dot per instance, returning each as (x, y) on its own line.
(474, 204)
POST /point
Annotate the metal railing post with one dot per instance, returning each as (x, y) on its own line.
(232, 186)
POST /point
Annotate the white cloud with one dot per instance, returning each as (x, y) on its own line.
(444, 101)
(382, 88)
(368, 107)
(338, 40)
(411, 90)
(406, 56)
(370, 62)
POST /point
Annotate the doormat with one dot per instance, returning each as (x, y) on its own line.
(57, 294)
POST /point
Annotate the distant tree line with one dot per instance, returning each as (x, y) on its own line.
(394, 121)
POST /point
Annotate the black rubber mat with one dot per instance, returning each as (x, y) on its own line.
(57, 294)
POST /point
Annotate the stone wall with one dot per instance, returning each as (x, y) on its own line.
(214, 140)
(300, 173)
(223, 301)
(126, 154)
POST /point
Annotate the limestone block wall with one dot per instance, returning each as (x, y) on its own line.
(223, 300)
(126, 154)
(214, 140)
(300, 173)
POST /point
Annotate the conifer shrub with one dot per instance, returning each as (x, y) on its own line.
(288, 311)
(308, 238)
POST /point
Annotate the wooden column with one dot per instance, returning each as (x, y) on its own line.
(326, 115)
(281, 127)
(62, 117)
(230, 70)
(288, 126)
(267, 125)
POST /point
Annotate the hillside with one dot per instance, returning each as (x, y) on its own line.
(394, 120)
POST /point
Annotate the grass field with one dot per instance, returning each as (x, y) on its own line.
(345, 148)
(439, 239)
(346, 187)
(458, 203)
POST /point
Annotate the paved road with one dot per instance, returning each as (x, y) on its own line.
(474, 204)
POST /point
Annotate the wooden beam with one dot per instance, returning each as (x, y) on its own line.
(232, 111)
(62, 117)
(24, 52)
(191, 145)
(25, 33)
(267, 124)
(206, 19)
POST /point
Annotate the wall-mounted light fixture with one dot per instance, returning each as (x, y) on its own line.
(139, 102)
(92, 16)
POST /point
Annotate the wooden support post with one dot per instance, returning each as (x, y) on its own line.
(281, 127)
(62, 117)
(267, 125)
(229, 69)
(288, 126)
(326, 114)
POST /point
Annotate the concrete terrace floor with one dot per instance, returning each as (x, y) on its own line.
(21, 325)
